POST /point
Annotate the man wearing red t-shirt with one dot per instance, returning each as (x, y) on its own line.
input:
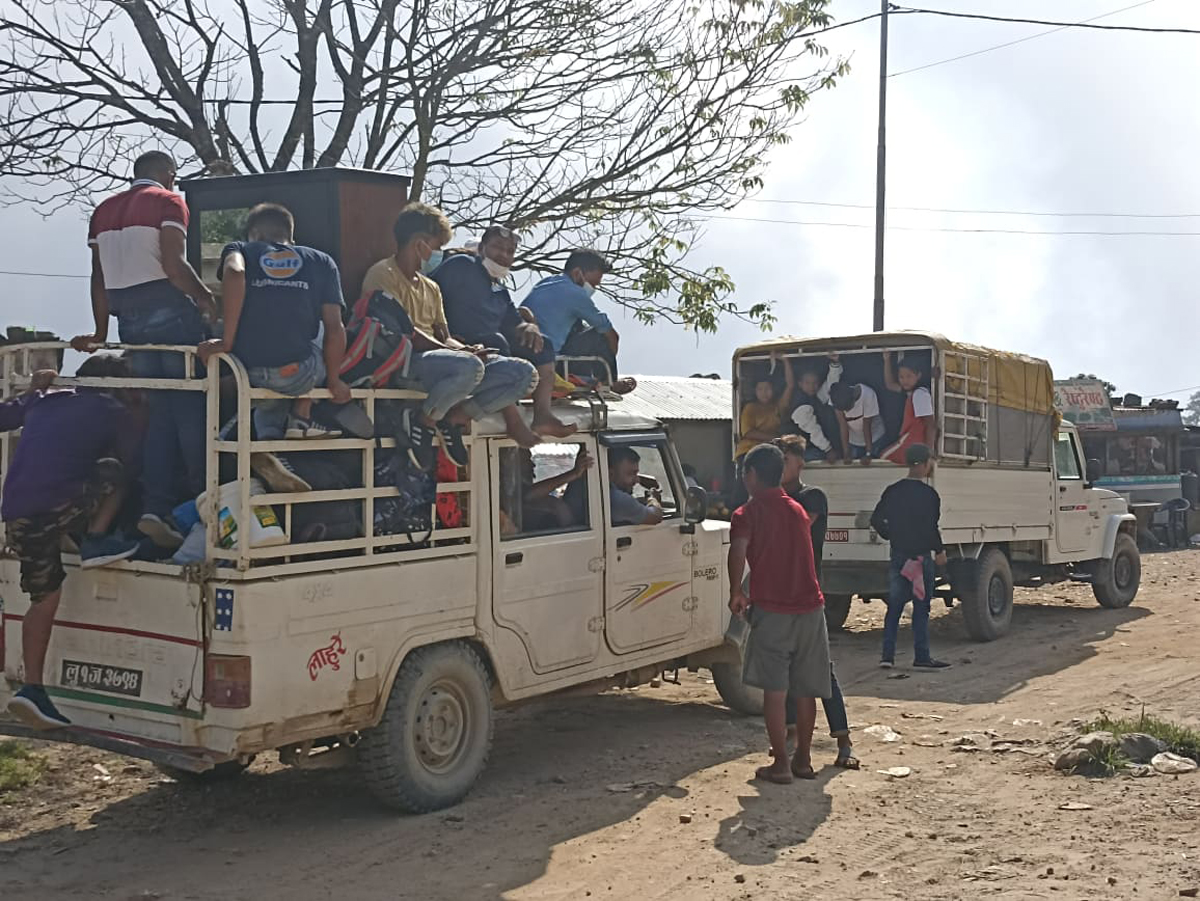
(141, 276)
(788, 647)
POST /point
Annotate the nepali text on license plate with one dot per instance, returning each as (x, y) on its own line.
(100, 677)
(837, 535)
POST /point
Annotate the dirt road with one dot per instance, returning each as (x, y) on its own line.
(584, 796)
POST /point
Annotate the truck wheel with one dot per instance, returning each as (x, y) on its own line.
(222, 772)
(738, 697)
(1116, 581)
(837, 608)
(986, 593)
(436, 731)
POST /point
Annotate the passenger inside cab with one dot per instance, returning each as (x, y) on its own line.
(623, 479)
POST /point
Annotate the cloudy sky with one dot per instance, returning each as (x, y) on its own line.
(1073, 122)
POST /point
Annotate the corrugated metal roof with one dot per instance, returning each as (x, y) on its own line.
(676, 398)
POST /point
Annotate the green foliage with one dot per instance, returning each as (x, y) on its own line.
(1191, 412)
(19, 766)
(1180, 740)
(222, 226)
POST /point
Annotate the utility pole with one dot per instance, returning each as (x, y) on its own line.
(881, 165)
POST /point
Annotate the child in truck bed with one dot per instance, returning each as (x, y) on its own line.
(66, 478)
(919, 426)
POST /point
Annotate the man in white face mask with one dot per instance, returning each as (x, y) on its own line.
(480, 310)
(570, 320)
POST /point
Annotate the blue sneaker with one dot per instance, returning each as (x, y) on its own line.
(33, 707)
(100, 550)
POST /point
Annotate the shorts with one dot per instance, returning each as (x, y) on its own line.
(788, 652)
(37, 540)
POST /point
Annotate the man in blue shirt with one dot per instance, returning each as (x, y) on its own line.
(480, 311)
(276, 296)
(569, 318)
(623, 477)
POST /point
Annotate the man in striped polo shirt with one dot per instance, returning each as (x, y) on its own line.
(141, 276)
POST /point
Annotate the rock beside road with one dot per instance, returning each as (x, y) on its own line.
(1173, 765)
(1095, 742)
(1138, 747)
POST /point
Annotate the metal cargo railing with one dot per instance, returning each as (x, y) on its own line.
(241, 561)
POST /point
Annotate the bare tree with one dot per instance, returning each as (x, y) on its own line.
(615, 125)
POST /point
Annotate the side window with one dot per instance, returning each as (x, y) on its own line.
(544, 491)
(639, 475)
(1065, 460)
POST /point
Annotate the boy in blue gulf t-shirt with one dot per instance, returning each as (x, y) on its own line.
(276, 295)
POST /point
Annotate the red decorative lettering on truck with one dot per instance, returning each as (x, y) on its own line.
(329, 656)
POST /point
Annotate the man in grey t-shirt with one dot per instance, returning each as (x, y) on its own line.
(625, 509)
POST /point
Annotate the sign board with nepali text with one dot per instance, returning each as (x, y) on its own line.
(1085, 403)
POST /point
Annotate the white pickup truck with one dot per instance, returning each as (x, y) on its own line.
(371, 650)
(1018, 505)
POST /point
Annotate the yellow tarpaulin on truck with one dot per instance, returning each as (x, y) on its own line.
(1015, 381)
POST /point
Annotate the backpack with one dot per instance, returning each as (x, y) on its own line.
(378, 342)
(410, 512)
(449, 510)
(330, 520)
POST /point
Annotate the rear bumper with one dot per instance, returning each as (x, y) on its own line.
(193, 760)
(863, 577)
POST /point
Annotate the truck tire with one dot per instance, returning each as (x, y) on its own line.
(222, 772)
(436, 732)
(837, 609)
(985, 588)
(1116, 581)
(738, 697)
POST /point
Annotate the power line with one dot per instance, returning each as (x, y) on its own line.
(1040, 34)
(928, 209)
(43, 274)
(973, 231)
(979, 17)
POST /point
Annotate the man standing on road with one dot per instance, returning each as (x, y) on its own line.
(907, 515)
(816, 505)
(788, 647)
(141, 276)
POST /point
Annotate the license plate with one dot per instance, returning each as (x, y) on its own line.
(100, 677)
(837, 535)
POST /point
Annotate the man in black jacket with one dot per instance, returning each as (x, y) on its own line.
(907, 515)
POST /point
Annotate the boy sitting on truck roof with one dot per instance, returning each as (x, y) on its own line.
(788, 647)
(275, 297)
(463, 383)
(64, 480)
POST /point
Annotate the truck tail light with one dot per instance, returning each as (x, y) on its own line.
(227, 681)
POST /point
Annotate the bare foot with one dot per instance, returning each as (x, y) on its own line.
(523, 435)
(553, 428)
(624, 386)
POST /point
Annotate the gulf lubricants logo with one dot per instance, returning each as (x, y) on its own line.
(281, 263)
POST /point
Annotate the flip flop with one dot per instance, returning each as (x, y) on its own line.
(847, 762)
(769, 774)
(806, 772)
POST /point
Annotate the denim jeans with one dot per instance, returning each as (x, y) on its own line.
(448, 377)
(835, 708)
(173, 454)
(505, 381)
(294, 379)
(899, 594)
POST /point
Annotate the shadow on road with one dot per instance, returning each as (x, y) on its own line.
(1044, 639)
(319, 834)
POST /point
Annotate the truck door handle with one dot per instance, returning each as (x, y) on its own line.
(623, 543)
(513, 559)
(1062, 488)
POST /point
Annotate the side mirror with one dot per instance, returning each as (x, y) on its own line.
(695, 507)
(1094, 471)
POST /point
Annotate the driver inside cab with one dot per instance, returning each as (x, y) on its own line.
(623, 480)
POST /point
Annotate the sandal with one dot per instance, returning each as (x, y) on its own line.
(847, 761)
(803, 772)
(770, 774)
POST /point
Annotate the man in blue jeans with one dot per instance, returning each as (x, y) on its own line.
(141, 276)
(907, 515)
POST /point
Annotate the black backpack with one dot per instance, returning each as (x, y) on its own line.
(411, 512)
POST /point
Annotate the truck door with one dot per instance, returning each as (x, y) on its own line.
(1073, 521)
(648, 592)
(548, 563)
